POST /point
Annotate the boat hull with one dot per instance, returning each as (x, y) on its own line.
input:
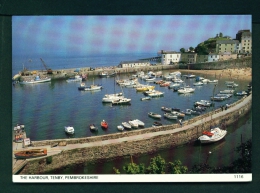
(32, 153)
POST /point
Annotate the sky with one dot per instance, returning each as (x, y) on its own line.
(84, 35)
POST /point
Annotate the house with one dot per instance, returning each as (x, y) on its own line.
(137, 63)
(226, 46)
(189, 57)
(201, 58)
(245, 39)
(227, 56)
(169, 57)
(213, 57)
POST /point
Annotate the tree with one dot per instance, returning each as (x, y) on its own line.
(157, 166)
(191, 49)
(176, 167)
(182, 50)
(220, 35)
(133, 168)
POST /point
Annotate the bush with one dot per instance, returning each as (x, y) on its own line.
(49, 160)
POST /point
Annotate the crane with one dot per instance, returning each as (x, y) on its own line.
(49, 71)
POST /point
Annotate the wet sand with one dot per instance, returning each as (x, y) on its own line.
(232, 74)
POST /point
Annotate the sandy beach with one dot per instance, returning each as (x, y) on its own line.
(233, 74)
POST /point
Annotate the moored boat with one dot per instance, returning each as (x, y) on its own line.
(204, 103)
(213, 81)
(93, 127)
(156, 124)
(214, 135)
(226, 91)
(241, 93)
(178, 114)
(140, 123)
(104, 124)
(145, 98)
(31, 153)
(186, 90)
(198, 83)
(170, 116)
(37, 79)
(126, 125)
(69, 130)
(120, 127)
(166, 109)
(76, 78)
(121, 101)
(133, 124)
(154, 115)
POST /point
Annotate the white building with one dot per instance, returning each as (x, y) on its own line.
(213, 57)
(169, 57)
(137, 63)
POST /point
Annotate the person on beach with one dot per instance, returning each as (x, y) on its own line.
(180, 122)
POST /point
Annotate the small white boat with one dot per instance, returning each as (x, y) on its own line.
(145, 98)
(154, 115)
(242, 93)
(232, 85)
(121, 101)
(108, 98)
(205, 81)
(77, 78)
(93, 87)
(178, 114)
(198, 83)
(69, 130)
(93, 127)
(226, 91)
(190, 112)
(37, 79)
(156, 124)
(213, 135)
(18, 127)
(170, 116)
(150, 79)
(213, 81)
(218, 98)
(186, 90)
(120, 127)
(190, 76)
(126, 125)
(133, 124)
(166, 109)
(140, 123)
(177, 80)
(204, 103)
(155, 93)
(174, 85)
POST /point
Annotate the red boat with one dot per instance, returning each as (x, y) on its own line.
(207, 133)
(104, 124)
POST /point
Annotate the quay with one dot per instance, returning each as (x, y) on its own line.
(64, 152)
(88, 71)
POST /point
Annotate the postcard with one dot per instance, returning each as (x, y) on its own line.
(167, 98)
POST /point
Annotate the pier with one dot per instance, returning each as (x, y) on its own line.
(79, 150)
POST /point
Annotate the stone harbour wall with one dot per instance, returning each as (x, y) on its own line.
(135, 147)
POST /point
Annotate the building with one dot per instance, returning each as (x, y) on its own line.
(201, 58)
(213, 57)
(245, 39)
(227, 56)
(169, 57)
(189, 57)
(227, 46)
(137, 63)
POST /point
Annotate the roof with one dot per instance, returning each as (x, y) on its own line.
(170, 52)
(134, 61)
(227, 41)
